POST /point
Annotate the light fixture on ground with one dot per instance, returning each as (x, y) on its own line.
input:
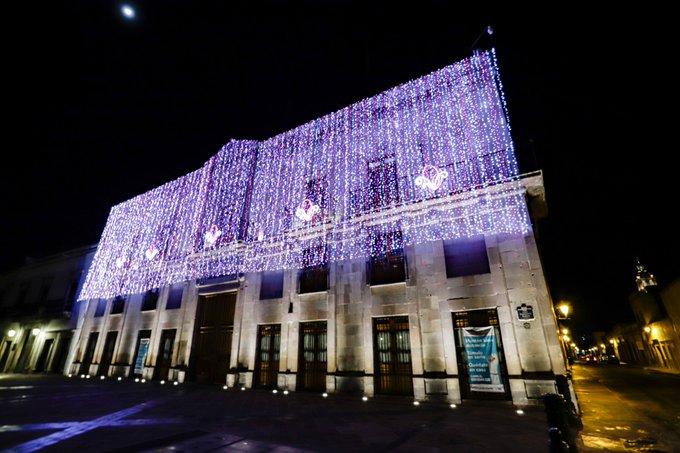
(285, 392)
(162, 382)
(87, 376)
(324, 394)
(224, 387)
(452, 406)
(275, 391)
(416, 403)
(143, 381)
(101, 378)
(519, 412)
(70, 375)
(364, 398)
(243, 388)
(120, 378)
(136, 379)
(175, 383)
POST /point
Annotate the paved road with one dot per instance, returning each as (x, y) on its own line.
(62, 414)
(628, 408)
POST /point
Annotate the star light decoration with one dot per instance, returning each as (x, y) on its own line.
(431, 159)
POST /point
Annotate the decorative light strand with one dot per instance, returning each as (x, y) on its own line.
(423, 161)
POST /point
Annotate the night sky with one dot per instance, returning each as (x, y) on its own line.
(102, 109)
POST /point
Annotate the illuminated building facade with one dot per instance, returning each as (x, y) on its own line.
(384, 248)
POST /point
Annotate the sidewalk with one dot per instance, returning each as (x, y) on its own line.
(132, 416)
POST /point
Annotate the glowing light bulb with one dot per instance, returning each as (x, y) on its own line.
(128, 11)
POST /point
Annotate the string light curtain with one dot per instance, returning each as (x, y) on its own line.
(420, 162)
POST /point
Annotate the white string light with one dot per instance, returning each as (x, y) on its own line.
(417, 163)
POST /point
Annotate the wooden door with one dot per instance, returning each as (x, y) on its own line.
(312, 360)
(107, 355)
(89, 353)
(267, 355)
(44, 355)
(164, 357)
(212, 338)
(392, 352)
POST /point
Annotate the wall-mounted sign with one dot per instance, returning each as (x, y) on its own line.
(141, 355)
(484, 368)
(525, 312)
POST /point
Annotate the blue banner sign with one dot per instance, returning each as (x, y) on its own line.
(484, 368)
(141, 355)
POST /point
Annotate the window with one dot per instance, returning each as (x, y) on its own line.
(23, 292)
(101, 308)
(466, 257)
(272, 285)
(174, 297)
(382, 178)
(390, 265)
(71, 296)
(45, 290)
(313, 277)
(150, 300)
(118, 305)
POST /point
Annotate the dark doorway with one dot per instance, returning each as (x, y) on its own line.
(107, 355)
(5, 355)
(44, 355)
(164, 357)
(25, 352)
(312, 359)
(59, 362)
(488, 378)
(89, 353)
(392, 346)
(267, 356)
(212, 339)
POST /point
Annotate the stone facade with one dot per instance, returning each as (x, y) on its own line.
(39, 312)
(530, 347)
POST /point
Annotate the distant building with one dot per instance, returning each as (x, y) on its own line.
(386, 248)
(654, 340)
(39, 311)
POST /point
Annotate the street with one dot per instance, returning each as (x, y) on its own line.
(62, 414)
(628, 408)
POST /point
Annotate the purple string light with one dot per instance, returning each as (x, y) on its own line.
(417, 163)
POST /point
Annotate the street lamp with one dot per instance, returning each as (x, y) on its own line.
(564, 309)
(11, 333)
(647, 329)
